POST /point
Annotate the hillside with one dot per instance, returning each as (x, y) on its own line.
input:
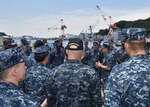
(127, 24)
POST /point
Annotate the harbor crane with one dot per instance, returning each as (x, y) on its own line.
(59, 26)
(108, 19)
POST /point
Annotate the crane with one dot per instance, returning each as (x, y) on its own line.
(109, 22)
(59, 26)
(91, 27)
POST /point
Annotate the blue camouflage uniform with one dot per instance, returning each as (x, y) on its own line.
(96, 55)
(87, 55)
(37, 76)
(120, 56)
(109, 61)
(74, 84)
(10, 95)
(57, 58)
(129, 82)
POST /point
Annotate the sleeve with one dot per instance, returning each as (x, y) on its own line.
(51, 93)
(112, 93)
(110, 62)
(95, 91)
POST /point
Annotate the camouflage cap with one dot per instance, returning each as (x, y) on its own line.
(106, 44)
(41, 51)
(9, 58)
(38, 43)
(24, 42)
(8, 42)
(134, 36)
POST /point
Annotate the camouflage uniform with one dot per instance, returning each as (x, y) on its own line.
(73, 84)
(120, 56)
(132, 87)
(10, 96)
(128, 84)
(96, 55)
(107, 61)
(37, 76)
(35, 83)
(1, 49)
(57, 58)
(29, 59)
(87, 56)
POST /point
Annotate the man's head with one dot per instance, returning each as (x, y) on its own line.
(41, 54)
(95, 45)
(74, 49)
(58, 44)
(135, 42)
(25, 45)
(7, 43)
(105, 47)
(11, 65)
(110, 43)
(86, 44)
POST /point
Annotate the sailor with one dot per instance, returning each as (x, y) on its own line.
(35, 83)
(108, 61)
(87, 53)
(74, 84)
(128, 84)
(7, 44)
(12, 70)
(58, 55)
(29, 58)
(96, 55)
(26, 47)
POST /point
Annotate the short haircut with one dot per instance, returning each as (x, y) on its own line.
(137, 45)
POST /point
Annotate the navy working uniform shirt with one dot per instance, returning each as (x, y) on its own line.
(35, 83)
(129, 84)
(87, 55)
(74, 84)
(10, 96)
(107, 61)
(57, 58)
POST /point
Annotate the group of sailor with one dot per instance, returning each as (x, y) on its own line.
(75, 75)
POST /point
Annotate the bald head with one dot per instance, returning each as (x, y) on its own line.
(74, 54)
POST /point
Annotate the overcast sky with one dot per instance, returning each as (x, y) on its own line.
(33, 17)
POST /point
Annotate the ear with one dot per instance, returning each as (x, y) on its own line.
(14, 71)
(66, 51)
(82, 55)
(126, 45)
(47, 58)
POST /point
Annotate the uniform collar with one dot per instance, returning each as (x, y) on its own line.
(73, 61)
(9, 84)
(139, 56)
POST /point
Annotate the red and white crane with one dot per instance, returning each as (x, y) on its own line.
(59, 26)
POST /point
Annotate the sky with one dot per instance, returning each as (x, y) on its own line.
(34, 17)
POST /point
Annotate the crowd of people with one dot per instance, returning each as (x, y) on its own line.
(75, 76)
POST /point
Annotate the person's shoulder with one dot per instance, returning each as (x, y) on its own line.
(18, 98)
(119, 68)
(27, 100)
